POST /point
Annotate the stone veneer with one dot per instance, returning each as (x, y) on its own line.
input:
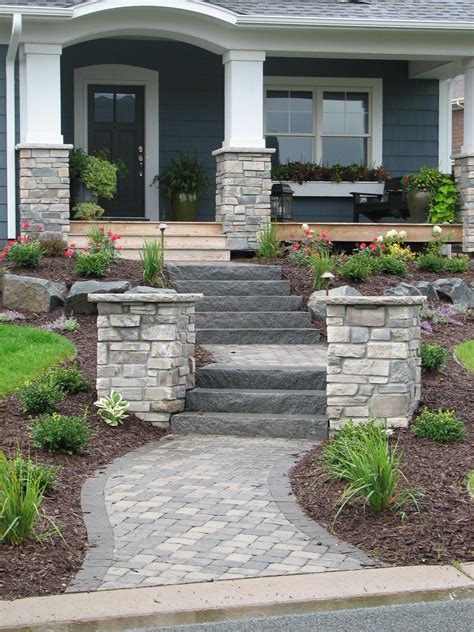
(464, 174)
(145, 351)
(243, 186)
(373, 358)
(44, 188)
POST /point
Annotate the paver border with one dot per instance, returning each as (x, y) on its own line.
(282, 494)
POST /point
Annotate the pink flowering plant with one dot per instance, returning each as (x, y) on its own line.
(312, 244)
(96, 258)
(26, 251)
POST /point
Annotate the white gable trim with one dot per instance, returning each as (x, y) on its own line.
(115, 74)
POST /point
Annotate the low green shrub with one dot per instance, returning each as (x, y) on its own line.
(61, 433)
(268, 244)
(22, 488)
(356, 267)
(429, 262)
(457, 265)
(46, 474)
(40, 396)
(25, 254)
(94, 264)
(433, 357)
(390, 265)
(70, 380)
(441, 426)
(87, 211)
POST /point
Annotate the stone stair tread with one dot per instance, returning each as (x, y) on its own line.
(263, 391)
(250, 303)
(242, 336)
(229, 272)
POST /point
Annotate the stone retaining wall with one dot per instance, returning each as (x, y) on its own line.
(145, 351)
(243, 186)
(373, 358)
(44, 188)
(464, 173)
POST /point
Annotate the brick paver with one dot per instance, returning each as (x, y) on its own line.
(201, 508)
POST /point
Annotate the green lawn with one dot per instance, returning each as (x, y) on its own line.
(26, 352)
(465, 354)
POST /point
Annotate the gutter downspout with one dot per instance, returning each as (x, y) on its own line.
(11, 123)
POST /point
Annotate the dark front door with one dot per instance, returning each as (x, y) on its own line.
(116, 123)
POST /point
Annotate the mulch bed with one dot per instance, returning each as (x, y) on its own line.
(443, 529)
(41, 568)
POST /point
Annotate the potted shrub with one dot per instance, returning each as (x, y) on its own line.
(87, 211)
(421, 190)
(92, 177)
(181, 182)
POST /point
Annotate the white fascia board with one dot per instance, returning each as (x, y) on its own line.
(37, 12)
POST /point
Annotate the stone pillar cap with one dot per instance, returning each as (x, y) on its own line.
(153, 297)
(372, 300)
(243, 150)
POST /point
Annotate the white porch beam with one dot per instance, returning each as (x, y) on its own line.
(40, 89)
(468, 146)
(243, 99)
(445, 126)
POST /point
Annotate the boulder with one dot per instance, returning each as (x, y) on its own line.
(24, 293)
(455, 290)
(143, 289)
(77, 301)
(426, 289)
(317, 309)
(403, 289)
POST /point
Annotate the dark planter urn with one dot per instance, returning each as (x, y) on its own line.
(184, 206)
(80, 193)
(418, 204)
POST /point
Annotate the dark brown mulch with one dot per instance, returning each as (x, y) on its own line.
(443, 529)
(203, 357)
(41, 568)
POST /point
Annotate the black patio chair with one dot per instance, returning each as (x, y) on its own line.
(376, 206)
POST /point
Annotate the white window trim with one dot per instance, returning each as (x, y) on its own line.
(115, 74)
(317, 84)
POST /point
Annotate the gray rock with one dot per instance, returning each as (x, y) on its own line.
(426, 289)
(77, 302)
(317, 309)
(403, 289)
(32, 294)
(143, 289)
(455, 290)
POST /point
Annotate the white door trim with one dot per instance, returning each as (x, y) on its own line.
(117, 74)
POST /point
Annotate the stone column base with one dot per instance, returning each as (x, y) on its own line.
(374, 365)
(243, 187)
(145, 351)
(44, 188)
(464, 174)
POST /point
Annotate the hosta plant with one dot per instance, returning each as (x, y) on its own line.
(112, 408)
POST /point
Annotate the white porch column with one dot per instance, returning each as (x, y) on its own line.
(244, 99)
(468, 146)
(464, 166)
(40, 94)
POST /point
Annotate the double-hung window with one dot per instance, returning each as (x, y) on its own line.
(327, 121)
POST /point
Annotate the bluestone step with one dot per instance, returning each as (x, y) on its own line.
(257, 336)
(252, 425)
(253, 320)
(234, 288)
(236, 272)
(249, 304)
(266, 377)
(289, 402)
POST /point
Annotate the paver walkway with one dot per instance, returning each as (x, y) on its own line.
(199, 508)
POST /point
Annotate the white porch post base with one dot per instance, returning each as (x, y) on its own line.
(464, 173)
(243, 186)
(44, 188)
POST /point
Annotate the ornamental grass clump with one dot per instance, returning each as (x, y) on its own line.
(362, 458)
(441, 426)
(66, 434)
(433, 357)
(152, 260)
(268, 244)
(319, 264)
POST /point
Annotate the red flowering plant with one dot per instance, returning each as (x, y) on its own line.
(96, 258)
(25, 251)
(376, 248)
(311, 245)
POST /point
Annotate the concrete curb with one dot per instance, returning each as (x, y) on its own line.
(232, 594)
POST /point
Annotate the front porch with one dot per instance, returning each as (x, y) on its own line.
(240, 111)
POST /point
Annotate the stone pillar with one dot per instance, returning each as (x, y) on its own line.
(464, 174)
(243, 187)
(44, 188)
(145, 351)
(374, 361)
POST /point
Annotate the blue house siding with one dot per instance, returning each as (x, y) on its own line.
(191, 99)
(191, 102)
(3, 146)
(410, 121)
